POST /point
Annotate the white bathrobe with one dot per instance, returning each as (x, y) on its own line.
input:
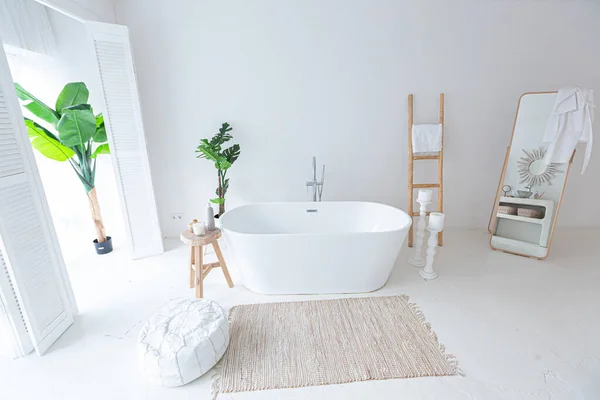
(570, 123)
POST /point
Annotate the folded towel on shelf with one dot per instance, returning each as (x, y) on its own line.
(427, 138)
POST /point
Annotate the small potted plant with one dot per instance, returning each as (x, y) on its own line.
(78, 136)
(223, 158)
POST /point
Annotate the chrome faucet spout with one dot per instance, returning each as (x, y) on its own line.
(322, 183)
(314, 183)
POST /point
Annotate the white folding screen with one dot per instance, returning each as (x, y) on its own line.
(123, 120)
(13, 314)
(33, 280)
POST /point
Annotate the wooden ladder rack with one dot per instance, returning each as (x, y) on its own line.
(411, 164)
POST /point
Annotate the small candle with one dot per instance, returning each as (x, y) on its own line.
(199, 228)
(425, 195)
(436, 221)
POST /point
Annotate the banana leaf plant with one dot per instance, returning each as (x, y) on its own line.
(213, 150)
(69, 132)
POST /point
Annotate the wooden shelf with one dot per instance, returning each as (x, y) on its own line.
(545, 223)
(522, 219)
(531, 202)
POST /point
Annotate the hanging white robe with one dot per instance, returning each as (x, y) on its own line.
(570, 123)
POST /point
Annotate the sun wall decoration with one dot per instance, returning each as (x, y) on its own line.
(534, 171)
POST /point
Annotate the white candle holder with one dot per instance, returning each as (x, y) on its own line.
(199, 229)
(436, 225)
(417, 260)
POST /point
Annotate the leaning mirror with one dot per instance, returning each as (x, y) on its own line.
(530, 188)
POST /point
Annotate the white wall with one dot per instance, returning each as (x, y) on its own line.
(330, 78)
(45, 77)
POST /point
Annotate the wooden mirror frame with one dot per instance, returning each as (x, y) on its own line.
(493, 216)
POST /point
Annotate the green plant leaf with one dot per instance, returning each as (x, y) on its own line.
(73, 93)
(102, 149)
(36, 106)
(208, 152)
(217, 201)
(76, 126)
(222, 163)
(80, 107)
(221, 137)
(46, 143)
(232, 153)
(100, 135)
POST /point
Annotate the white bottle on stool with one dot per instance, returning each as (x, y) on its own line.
(210, 218)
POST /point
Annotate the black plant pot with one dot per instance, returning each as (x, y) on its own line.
(104, 247)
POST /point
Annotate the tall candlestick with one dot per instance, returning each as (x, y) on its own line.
(436, 220)
(424, 195)
(416, 260)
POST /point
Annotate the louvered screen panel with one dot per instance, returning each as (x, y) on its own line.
(118, 92)
(11, 294)
(126, 136)
(31, 254)
(132, 170)
(33, 274)
(11, 162)
(16, 319)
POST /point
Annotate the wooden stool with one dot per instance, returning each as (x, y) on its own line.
(199, 270)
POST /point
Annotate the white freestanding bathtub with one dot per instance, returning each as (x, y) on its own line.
(324, 247)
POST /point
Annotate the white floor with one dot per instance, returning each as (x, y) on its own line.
(520, 329)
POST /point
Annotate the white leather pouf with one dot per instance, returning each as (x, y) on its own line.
(182, 340)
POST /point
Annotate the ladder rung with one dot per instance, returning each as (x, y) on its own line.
(425, 185)
(437, 157)
(416, 213)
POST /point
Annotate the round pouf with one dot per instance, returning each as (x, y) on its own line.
(182, 340)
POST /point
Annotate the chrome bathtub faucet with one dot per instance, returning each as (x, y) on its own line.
(316, 185)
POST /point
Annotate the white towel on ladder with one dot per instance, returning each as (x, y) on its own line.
(427, 138)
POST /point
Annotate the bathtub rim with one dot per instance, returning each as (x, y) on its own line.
(405, 227)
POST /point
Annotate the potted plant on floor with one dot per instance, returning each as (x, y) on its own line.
(223, 159)
(71, 132)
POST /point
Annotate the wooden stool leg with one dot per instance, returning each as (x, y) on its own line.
(191, 266)
(222, 263)
(198, 268)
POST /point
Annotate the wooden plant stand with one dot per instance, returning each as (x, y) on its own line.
(199, 270)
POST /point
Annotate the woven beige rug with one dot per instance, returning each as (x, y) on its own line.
(309, 343)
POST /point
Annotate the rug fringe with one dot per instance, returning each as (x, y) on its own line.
(450, 358)
(217, 370)
(215, 387)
